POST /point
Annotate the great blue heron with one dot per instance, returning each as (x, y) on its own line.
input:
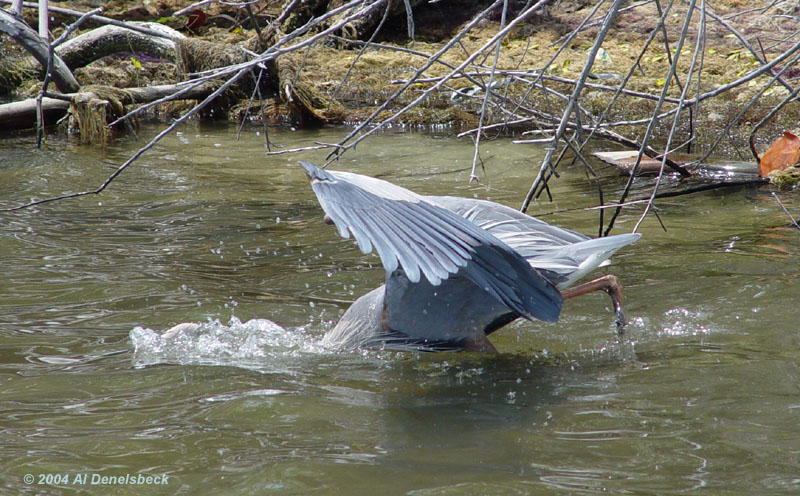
(457, 269)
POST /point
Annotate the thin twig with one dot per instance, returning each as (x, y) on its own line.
(684, 192)
(571, 104)
(397, 93)
(780, 204)
(674, 126)
(521, 17)
(256, 91)
(320, 146)
(489, 85)
(138, 153)
(363, 49)
(741, 39)
(47, 74)
(193, 6)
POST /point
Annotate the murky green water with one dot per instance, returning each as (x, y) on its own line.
(702, 396)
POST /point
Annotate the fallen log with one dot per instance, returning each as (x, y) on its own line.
(62, 76)
(22, 114)
(108, 40)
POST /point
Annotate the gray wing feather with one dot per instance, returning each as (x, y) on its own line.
(499, 218)
(426, 239)
(562, 255)
(391, 218)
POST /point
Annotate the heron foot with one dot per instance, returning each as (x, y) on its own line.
(611, 285)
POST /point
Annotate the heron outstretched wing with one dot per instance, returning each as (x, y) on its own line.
(423, 238)
(561, 255)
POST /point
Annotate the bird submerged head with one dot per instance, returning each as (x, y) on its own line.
(314, 173)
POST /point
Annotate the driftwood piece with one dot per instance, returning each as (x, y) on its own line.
(39, 48)
(153, 93)
(626, 159)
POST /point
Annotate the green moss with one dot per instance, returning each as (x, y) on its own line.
(786, 178)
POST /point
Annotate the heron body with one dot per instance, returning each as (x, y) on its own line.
(457, 269)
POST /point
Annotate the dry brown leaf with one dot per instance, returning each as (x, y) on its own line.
(196, 19)
(781, 154)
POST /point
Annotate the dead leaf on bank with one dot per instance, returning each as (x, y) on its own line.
(781, 154)
(196, 19)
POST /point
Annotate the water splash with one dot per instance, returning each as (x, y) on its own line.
(257, 343)
(685, 322)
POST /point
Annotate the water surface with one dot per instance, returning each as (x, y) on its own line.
(699, 397)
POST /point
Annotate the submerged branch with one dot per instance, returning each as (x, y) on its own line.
(786, 211)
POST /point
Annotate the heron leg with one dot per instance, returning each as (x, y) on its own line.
(608, 283)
